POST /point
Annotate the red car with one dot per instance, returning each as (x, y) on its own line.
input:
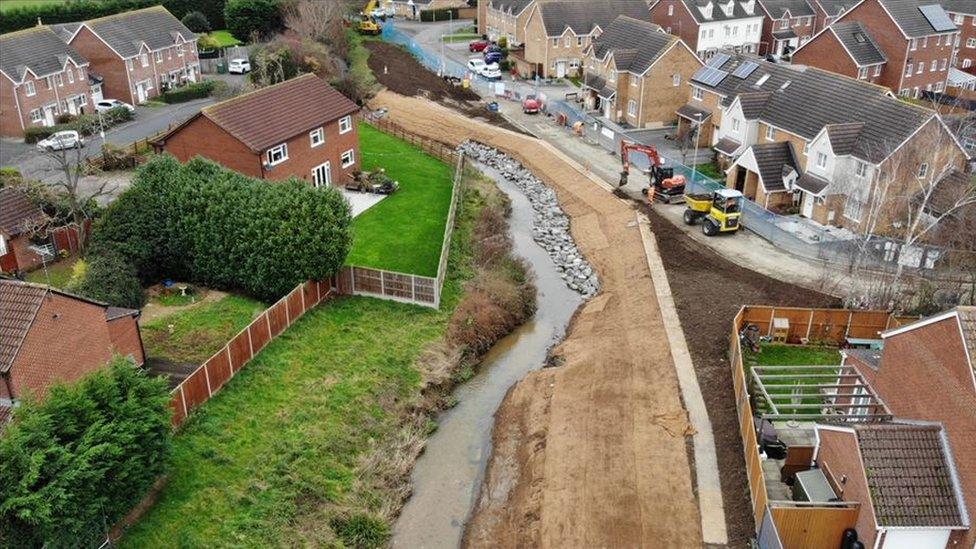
(531, 105)
(478, 45)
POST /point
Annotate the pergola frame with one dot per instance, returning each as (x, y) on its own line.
(840, 389)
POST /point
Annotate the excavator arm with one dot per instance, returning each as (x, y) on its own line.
(625, 149)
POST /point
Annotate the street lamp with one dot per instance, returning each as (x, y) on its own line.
(694, 167)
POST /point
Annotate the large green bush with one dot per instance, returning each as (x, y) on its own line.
(189, 92)
(247, 17)
(80, 10)
(203, 223)
(110, 279)
(78, 461)
(196, 21)
(85, 124)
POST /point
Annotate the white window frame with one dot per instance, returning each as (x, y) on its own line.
(579, 41)
(275, 151)
(862, 73)
(861, 169)
(908, 69)
(670, 10)
(676, 79)
(3, 245)
(822, 160)
(316, 138)
(877, 70)
(770, 133)
(555, 42)
(697, 94)
(129, 64)
(735, 125)
(853, 209)
(179, 50)
(59, 79)
(632, 107)
(971, 42)
(159, 56)
(923, 170)
(350, 155)
(144, 59)
(345, 124)
(39, 116)
(30, 89)
(71, 76)
(328, 175)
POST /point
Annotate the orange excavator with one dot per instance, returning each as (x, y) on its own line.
(664, 185)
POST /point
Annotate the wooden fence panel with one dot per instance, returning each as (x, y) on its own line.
(240, 350)
(218, 368)
(813, 527)
(295, 306)
(868, 324)
(310, 294)
(260, 331)
(195, 391)
(278, 317)
(178, 406)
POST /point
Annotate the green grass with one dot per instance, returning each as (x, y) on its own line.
(199, 332)
(793, 355)
(711, 170)
(405, 231)
(59, 272)
(175, 300)
(6, 5)
(576, 81)
(225, 38)
(461, 37)
(273, 459)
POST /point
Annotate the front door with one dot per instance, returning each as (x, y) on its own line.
(72, 107)
(141, 92)
(560, 69)
(322, 175)
(808, 200)
(740, 178)
(607, 109)
(49, 115)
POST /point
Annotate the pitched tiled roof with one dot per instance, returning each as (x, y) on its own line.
(778, 9)
(909, 474)
(753, 103)
(834, 8)
(16, 211)
(19, 303)
(718, 13)
(967, 319)
(843, 137)
(583, 17)
(272, 115)
(858, 42)
(803, 100)
(812, 184)
(967, 7)
(869, 357)
(771, 158)
(693, 113)
(38, 49)
(727, 146)
(907, 16)
(514, 7)
(126, 32)
(635, 44)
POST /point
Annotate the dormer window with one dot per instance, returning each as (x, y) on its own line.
(728, 9)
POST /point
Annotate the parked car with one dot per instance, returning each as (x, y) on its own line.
(475, 65)
(106, 105)
(478, 46)
(493, 57)
(531, 104)
(59, 141)
(239, 66)
(491, 72)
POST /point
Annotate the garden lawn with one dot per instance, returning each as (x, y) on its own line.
(793, 355)
(272, 459)
(199, 331)
(711, 170)
(60, 273)
(405, 231)
(224, 38)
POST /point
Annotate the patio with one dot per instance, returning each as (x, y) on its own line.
(360, 202)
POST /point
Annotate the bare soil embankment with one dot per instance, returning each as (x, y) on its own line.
(590, 454)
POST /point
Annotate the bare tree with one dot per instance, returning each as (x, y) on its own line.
(317, 20)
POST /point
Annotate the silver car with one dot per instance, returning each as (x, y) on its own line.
(68, 139)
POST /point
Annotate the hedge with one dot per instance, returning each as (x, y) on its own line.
(206, 224)
(108, 278)
(79, 460)
(80, 10)
(246, 17)
(443, 14)
(189, 92)
(85, 124)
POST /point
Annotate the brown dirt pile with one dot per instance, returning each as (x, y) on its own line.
(591, 454)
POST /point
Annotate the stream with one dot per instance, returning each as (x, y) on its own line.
(447, 476)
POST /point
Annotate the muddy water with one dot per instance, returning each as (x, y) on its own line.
(447, 476)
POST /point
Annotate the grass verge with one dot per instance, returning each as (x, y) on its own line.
(405, 231)
(198, 332)
(312, 443)
(225, 38)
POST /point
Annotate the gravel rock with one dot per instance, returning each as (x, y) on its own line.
(550, 226)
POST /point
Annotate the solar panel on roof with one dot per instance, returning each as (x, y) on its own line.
(937, 17)
(745, 69)
(709, 76)
(718, 60)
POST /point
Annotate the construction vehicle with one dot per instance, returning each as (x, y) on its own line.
(719, 211)
(367, 21)
(665, 185)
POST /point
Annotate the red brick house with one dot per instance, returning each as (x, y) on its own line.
(300, 128)
(138, 53)
(963, 14)
(827, 11)
(904, 45)
(42, 77)
(927, 371)
(17, 214)
(49, 336)
(788, 25)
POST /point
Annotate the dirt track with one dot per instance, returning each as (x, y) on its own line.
(590, 454)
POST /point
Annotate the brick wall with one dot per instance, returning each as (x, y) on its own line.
(542, 49)
(16, 105)
(680, 22)
(24, 258)
(802, 26)
(925, 375)
(966, 57)
(661, 98)
(827, 53)
(838, 455)
(302, 158)
(201, 137)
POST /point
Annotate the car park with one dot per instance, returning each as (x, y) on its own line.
(239, 66)
(478, 46)
(58, 141)
(106, 105)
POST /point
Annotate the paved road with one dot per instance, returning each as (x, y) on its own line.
(148, 121)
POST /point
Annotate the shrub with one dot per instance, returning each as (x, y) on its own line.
(208, 43)
(206, 224)
(80, 10)
(196, 22)
(82, 457)
(189, 92)
(85, 124)
(249, 17)
(503, 42)
(9, 176)
(361, 530)
(108, 278)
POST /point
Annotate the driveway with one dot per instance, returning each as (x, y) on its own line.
(148, 121)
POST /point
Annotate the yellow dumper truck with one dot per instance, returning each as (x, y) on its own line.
(719, 211)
